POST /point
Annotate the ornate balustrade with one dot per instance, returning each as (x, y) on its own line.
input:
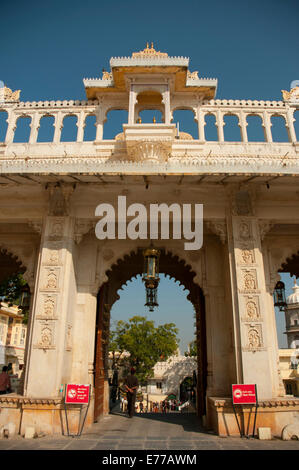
(106, 155)
(36, 110)
(265, 110)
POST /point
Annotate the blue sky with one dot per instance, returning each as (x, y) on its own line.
(49, 47)
(250, 46)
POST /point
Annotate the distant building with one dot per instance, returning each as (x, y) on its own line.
(169, 375)
(288, 362)
(292, 318)
(12, 341)
(289, 358)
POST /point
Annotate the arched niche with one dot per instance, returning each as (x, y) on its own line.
(22, 132)
(46, 129)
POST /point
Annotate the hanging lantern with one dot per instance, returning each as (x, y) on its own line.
(151, 276)
(279, 296)
(25, 297)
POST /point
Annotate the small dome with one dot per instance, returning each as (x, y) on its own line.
(294, 297)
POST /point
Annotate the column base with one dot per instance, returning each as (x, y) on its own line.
(46, 415)
(275, 413)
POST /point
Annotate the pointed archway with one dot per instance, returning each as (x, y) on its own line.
(124, 270)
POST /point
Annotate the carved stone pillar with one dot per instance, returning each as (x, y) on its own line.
(220, 125)
(253, 335)
(100, 118)
(11, 127)
(132, 102)
(243, 127)
(290, 125)
(200, 117)
(166, 101)
(34, 125)
(58, 127)
(50, 343)
(80, 126)
(267, 127)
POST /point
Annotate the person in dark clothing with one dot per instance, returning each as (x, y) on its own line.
(131, 385)
(5, 381)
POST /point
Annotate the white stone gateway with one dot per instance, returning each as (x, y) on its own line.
(249, 191)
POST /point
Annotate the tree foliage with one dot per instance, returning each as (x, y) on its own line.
(145, 343)
(11, 292)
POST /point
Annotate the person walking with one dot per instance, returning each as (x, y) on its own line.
(5, 385)
(131, 385)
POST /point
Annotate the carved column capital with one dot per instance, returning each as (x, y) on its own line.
(218, 228)
(265, 226)
(59, 197)
(242, 200)
(37, 226)
(82, 226)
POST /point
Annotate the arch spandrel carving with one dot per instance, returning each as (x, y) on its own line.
(128, 263)
(283, 259)
(22, 257)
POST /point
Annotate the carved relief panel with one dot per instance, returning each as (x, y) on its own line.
(47, 307)
(254, 337)
(249, 282)
(56, 231)
(244, 230)
(251, 310)
(50, 284)
(46, 335)
(246, 254)
(51, 279)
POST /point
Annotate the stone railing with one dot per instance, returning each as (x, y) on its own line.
(36, 110)
(265, 110)
(149, 147)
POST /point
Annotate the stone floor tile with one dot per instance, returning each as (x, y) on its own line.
(116, 432)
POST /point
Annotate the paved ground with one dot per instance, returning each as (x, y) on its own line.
(145, 432)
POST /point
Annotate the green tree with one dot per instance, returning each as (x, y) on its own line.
(145, 343)
(115, 346)
(11, 290)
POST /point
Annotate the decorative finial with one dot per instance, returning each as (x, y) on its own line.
(9, 95)
(292, 95)
(139, 120)
(154, 120)
(149, 52)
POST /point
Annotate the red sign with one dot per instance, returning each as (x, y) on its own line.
(77, 394)
(244, 394)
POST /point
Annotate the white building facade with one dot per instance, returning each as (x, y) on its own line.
(12, 342)
(169, 375)
(292, 318)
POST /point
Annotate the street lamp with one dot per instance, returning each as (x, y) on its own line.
(25, 297)
(279, 296)
(151, 276)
